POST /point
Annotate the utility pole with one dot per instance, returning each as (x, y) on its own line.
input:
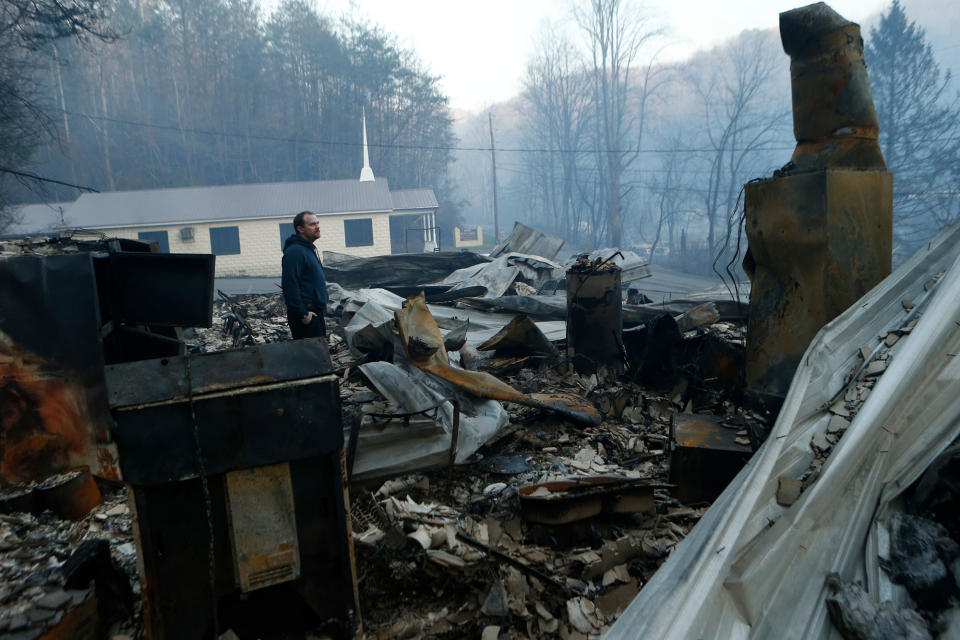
(496, 208)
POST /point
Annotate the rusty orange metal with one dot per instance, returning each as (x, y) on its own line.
(819, 241)
(705, 456)
(80, 623)
(423, 344)
(572, 499)
(263, 527)
(834, 120)
(72, 499)
(45, 426)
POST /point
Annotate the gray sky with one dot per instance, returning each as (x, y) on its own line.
(481, 48)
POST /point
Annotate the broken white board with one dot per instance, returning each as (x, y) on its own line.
(388, 447)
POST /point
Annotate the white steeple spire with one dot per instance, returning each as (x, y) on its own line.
(366, 174)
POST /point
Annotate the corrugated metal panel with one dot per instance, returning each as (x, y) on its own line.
(752, 568)
(123, 208)
(414, 199)
(524, 239)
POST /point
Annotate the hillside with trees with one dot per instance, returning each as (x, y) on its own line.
(211, 92)
(693, 133)
(605, 145)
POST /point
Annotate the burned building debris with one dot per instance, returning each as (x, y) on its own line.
(242, 449)
(217, 447)
(872, 409)
(523, 444)
(526, 495)
(493, 485)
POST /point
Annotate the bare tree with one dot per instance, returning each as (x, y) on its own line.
(670, 192)
(616, 32)
(557, 94)
(27, 28)
(743, 113)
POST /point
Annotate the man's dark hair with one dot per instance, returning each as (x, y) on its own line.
(298, 219)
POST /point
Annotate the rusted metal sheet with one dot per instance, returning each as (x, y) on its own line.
(395, 270)
(579, 498)
(594, 315)
(705, 456)
(53, 408)
(263, 527)
(167, 379)
(524, 239)
(423, 344)
(71, 495)
(521, 336)
(80, 623)
(236, 429)
(172, 532)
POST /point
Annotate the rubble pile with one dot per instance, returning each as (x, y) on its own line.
(249, 319)
(242, 320)
(41, 246)
(556, 514)
(61, 574)
(418, 576)
(859, 382)
(923, 560)
(500, 487)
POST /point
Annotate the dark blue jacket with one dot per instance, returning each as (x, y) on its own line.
(303, 282)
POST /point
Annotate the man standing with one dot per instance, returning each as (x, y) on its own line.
(303, 282)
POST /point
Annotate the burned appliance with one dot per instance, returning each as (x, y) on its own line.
(234, 462)
(62, 317)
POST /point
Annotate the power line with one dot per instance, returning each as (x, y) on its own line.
(33, 176)
(427, 147)
(420, 147)
(593, 170)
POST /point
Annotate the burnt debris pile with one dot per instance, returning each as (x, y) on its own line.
(508, 464)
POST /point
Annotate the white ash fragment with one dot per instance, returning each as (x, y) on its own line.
(856, 616)
(788, 490)
(876, 367)
(839, 408)
(837, 424)
(819, 442)
(583, 615)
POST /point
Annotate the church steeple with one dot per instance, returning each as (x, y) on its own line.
(366, 174)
